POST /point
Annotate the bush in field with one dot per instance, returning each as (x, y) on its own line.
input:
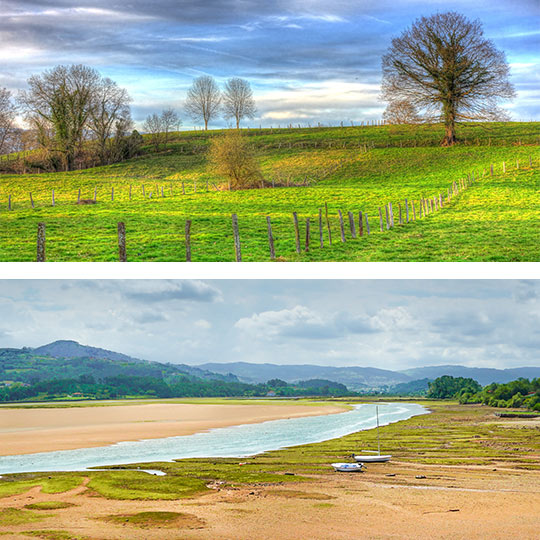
(232, 157)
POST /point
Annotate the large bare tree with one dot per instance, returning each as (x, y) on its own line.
(8, 112)
(203, 99)
(238, 102)
(444, 66)
(59, 102)
(109, 112)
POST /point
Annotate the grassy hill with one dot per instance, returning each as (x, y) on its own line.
(351, 169)
(68, 359)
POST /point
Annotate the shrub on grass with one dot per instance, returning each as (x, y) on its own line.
(232, 157)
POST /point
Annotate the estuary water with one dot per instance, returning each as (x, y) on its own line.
(236, 441)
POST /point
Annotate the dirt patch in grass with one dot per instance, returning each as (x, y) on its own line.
(177, 520)
(55, 535)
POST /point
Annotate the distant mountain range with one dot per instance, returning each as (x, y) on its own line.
(69, 359)
(358, 378)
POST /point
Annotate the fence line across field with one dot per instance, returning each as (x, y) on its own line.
(406, 214)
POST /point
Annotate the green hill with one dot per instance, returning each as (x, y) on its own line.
(350, 169)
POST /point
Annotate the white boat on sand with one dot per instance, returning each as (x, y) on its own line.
(348, 467)
(374, 458)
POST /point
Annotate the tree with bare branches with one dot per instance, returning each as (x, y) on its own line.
(401, 112)
(232, 156)
(153, 126)
(169, 122)
(238, 102)
(8, 112)
(109, 112)
(58, 105)
(444, 66)
(203, 100)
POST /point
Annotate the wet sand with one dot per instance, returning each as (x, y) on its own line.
(450, 503)
(27, 431)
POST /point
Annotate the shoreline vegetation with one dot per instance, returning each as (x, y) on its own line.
(438, 460)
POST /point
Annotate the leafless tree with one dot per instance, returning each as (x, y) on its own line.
(401, 112)
(59, 102)
(238, 102)
(231, 156)
(203, 99)
(8, 112)
(109, 111)
(445, 67)
(153, 125)
(170, 121)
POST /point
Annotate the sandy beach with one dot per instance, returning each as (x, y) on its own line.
(27, 431)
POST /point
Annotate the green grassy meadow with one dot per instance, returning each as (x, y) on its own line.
(349, 169)
(452, 434)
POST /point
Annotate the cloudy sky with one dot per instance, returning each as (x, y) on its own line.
(382, 323)
(308, 60)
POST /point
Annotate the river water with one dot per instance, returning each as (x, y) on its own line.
(237, 441)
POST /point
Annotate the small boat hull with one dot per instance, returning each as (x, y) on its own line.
(372, 459)
(347, 467)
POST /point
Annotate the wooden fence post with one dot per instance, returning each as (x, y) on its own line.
(296, 232)
(328, 225)
(112, 193)
(413, 211)
(31, 200)
(307, 235)
(367, 225)
(122, 242)
(380, 219)
(400, 214)
(187, 235)
(143, 192)
(79, 196)
(41, 242)
(341, 226)
(406, 211)
(53, 197)
(236, 238)
(321, 240)
(130, 192)
(162, 195)
(270, 239)
(360, 225)
(491, 169)
(351, 225)
(95, 193)
(183, 189)
(504, 167)
(387, 217)
(391, 214)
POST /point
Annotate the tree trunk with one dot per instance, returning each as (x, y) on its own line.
(205, 124)
(238, 123)
(450, 125)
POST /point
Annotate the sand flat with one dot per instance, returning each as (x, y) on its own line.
(27, 431)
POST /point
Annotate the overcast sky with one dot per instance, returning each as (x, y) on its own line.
(385, 324)
(308, 60)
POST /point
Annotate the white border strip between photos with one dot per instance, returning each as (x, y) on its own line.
(266, 270)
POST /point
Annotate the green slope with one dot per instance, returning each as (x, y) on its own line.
(350, 169)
